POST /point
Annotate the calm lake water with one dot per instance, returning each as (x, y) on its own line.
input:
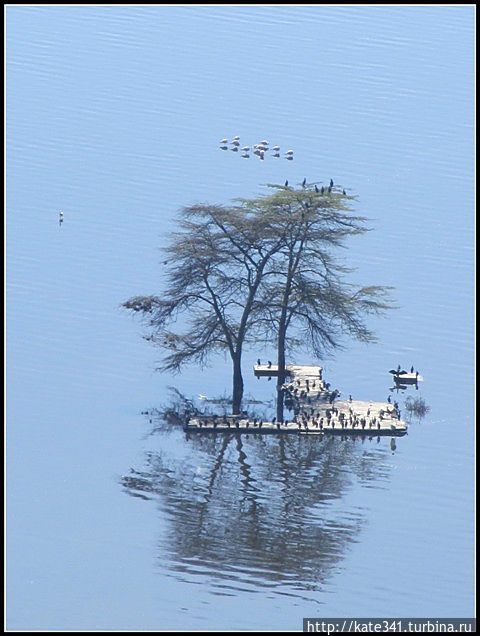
(114, 116)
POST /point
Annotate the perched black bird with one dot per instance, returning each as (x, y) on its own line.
(322, 190)
(412, 369)
(316, 189)
(344, 193)
(286, 183)
(269, 364)
(258, 362)
(331, 183)
(304, 183)
(329, 189)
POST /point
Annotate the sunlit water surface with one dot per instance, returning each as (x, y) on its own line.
(114, 116)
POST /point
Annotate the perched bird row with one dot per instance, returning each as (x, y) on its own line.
(322, 190)
(258, 149)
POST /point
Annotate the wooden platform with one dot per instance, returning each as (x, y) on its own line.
(318, 410)
(209, 425)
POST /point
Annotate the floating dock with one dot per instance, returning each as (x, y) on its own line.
(317, 410)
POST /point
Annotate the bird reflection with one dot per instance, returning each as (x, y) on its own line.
(258, 511)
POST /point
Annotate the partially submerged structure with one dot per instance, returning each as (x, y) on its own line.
(316, 410)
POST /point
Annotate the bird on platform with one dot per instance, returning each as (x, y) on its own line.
(304, 182)
(331, 183)
(269, 364)
(258, 362)
(412, 369)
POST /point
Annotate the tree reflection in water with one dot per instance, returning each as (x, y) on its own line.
(255, 512)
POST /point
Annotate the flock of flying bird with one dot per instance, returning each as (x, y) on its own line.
(258, 149)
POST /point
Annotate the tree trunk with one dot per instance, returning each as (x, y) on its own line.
(237, 393)
(281, 371)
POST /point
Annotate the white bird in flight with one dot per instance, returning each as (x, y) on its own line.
(202, 397)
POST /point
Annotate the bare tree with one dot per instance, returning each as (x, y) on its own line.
(307, 293)
(217, 261)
